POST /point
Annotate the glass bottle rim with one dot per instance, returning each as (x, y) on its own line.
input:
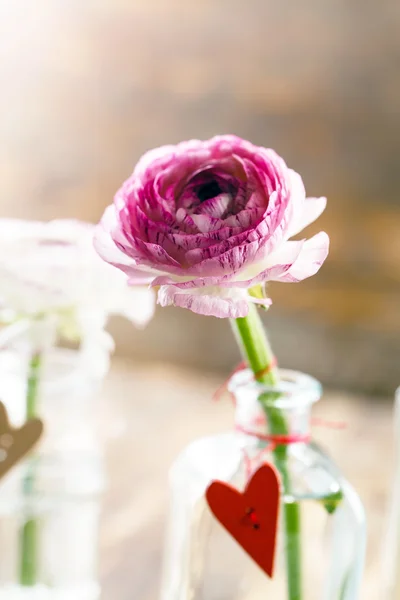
(294, 388)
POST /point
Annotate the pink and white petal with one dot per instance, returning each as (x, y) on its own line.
(153, 255)
(257, 273)
(296, 196)
(229, 255)
(203, 240)
(313, 208)
(297, 189)
(233, 254)
(228, 262)
(103, 242)
(209, 301)
(184, 283)
(216, 207)
(280, 266)
(205, 223)
(138, 276)
(246, 218)
(270, 269)
(153, 160)
(108, 251)
(312, 255)
(285, 254)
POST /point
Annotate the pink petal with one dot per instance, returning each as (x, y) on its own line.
(275, 267)
(103, 242)
(190, 242)
(297, 197)
(313, 208)
(246, 218)
(312, 255)
(165, 280)
(216, 207)
(209, 302)
(109, 251)
(206, 223)
(137, 276)
(230, 255)
(272, 269)
(297, 189)
(154, 160)
(230, 281)
(227, 261)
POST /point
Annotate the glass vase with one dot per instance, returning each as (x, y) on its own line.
(50, 503)
(321, 533)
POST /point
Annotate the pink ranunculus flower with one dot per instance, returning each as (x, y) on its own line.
(205, 221)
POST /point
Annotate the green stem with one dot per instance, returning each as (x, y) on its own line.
(250, 333)
(28, 565)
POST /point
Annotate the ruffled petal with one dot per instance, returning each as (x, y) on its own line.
(313, 254)
(272, 269)
(312, 209)
(225, 262)
(210, 301)
(104, 243)
(155, 160)
(107, 249)
(186, 283)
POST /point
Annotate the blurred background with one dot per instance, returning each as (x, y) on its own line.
(87, 87)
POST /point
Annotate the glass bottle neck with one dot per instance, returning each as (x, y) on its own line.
(258, 406)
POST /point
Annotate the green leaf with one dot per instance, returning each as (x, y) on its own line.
(332, 502)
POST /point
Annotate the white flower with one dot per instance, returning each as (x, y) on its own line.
(53, 268)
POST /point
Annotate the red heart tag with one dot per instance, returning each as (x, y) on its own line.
(250, 517)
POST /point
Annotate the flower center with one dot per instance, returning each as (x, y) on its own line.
(208, 190)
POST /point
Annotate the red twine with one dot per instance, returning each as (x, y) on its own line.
(223, 388)
(272, 365)
(241, 367)
(273, 440)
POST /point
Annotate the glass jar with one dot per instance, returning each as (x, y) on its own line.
(50, 503)
(68, 396)
(62, 507)
(321, 536)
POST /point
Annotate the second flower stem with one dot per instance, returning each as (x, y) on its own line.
(250, 334)
(29, 550)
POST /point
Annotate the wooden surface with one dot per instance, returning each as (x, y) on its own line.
(87, 87)
(155, 411)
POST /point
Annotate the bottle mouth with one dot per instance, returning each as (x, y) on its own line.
(294, 388)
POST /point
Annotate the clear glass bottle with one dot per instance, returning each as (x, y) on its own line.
(326, 547)
(68, 394)
(57, 491)
(63, 504)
